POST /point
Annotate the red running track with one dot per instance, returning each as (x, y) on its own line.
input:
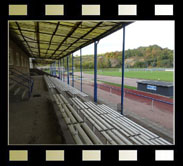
(117, 90)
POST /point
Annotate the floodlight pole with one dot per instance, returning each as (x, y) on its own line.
(95, 71)
(68, 69)
(122, 80)
(81, 69)
(72, 70)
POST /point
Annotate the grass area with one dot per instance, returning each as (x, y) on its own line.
(148, 75)
(118, 85)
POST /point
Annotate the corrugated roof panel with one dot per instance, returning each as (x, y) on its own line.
(56, 39)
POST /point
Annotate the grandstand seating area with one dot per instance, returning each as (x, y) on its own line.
(90, 123)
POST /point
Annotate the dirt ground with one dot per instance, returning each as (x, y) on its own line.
(33, 121)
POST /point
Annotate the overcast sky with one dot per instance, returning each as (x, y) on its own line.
(139, 33)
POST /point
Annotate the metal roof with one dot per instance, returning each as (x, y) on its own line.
(52, 40)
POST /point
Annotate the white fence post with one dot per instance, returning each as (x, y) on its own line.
(110, 91)
(152, 104)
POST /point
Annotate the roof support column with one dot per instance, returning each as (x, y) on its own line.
(68, 69)
(123, 64)
(81, 69)
(50, 69)
(59, 69)
(55, 69)
(95, 71)
(72, 70)
(63, 71)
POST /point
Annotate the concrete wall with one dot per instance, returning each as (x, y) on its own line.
(18, 58)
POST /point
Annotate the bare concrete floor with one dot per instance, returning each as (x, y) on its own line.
(33, 121)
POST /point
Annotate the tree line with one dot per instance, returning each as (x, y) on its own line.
(141, 57)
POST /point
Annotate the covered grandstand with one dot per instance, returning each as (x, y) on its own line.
(80, 118)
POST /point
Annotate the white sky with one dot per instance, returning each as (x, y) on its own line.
(139, 33)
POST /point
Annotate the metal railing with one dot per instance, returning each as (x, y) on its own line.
(140, 95)
(22, 79)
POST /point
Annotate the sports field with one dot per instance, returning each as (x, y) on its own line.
(139, 74)
(149, 75)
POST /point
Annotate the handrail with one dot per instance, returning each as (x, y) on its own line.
(21, 73)
(20, 76)
(23, 79)
(118, 89)
(162, 101)
(20, 83)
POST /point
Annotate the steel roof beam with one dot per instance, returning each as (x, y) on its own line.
(115, 28)
(19, 43)
(38, 37)
(83, 27)
(23, 37)
(45, 33)
(69, 34)
(44, 42)
(52, 37)
(55, 43)
(82, 36)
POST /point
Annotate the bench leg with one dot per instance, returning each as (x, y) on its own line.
(93, 128)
